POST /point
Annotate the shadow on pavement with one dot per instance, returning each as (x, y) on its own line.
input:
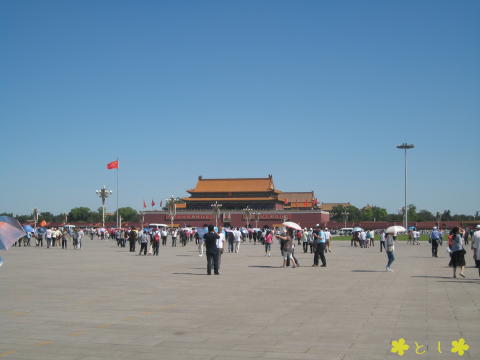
(362, 271)
(264, 266)
(187, 273)
(431, 277)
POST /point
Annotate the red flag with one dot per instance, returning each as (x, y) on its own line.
(144, 204)
(306, 204)
(153, 203)
(112, 165)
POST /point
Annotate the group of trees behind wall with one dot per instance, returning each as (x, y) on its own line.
(374, 213)
(81, 214)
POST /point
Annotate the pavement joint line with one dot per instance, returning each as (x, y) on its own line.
(76, 333)
(43, 343)
(8, 353)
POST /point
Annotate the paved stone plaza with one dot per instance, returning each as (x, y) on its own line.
(105, 303)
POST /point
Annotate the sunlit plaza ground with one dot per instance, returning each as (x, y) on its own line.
(104, 302)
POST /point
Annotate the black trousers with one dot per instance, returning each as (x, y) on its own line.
(132, 245)
(305, 247)
(434, 249)
(382, 245)
(156, 246)
(164, 240)
(143, 247)
(230, 245)
(64, 243)
(174, 241)
(320, 252)
(212, 259)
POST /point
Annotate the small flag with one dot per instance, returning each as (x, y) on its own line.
(43, 223)
(153, 203)
(112, 165)
(144, 204)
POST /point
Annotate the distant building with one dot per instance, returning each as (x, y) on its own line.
(244, 201)
(329, 206)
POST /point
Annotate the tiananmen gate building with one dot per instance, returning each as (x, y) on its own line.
(241, 202)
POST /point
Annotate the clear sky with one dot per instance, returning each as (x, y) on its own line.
(317, 93)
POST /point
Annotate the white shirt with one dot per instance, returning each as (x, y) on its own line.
(238, 235)
(327, 235)
(49, 233)
(164, 233)
(221, 240)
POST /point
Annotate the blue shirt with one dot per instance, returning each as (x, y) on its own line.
(321, 237)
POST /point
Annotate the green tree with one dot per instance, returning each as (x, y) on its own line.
(46, 215)
(425, 215)
(412, 212)
(79, 214)
(128, 214)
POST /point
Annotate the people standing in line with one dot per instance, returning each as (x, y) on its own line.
(320, 243)
(458, 251)
(390, 249)
(328, 237)
(476, 247)
(268, 243)
(164, 235)
(383, 238)
(435, 239)
(210, 240)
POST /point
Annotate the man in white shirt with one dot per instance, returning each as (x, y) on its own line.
(476, 247)
(237, 240)
(328, 236)
(220, 246)
(48, 236)
(164, 234)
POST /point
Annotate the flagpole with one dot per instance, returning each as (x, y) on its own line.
(117, 193)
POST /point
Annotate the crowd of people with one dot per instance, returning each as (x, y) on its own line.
(316, 241)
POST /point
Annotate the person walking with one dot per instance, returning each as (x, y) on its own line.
(383, 237)
(328, 237)
(287, 247)
(64, 239)
(372, 238)
(237, 240)
(143, 243)
(268, 243)
(210, 240)
(132, 238)
(458, 251)
(164, 234)
(435, 239)
(476, 247)
(156, 242)
(390, 248)
(174, 237)
(320, 242)
(221, 245)
(305, 240)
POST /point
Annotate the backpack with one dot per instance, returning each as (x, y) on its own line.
(156, 237)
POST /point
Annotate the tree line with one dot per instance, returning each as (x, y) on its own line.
(81, 214)
(351, 213)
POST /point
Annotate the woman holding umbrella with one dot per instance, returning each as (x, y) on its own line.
(287, 247)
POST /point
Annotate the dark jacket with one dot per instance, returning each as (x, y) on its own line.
(211, 242)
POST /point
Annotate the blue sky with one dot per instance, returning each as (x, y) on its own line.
(316, 93)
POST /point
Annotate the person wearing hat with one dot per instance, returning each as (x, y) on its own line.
(476, 247)
(435, 239)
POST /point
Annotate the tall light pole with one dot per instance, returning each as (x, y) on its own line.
(248, 213)
(172, 209)
(216, 211)
(345, 214)
(103, 193)
(36, 212)
(405, 147)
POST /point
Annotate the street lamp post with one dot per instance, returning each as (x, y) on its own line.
(103, 193)
(257, 218)
(216, 211)
(345, 214)
(405, 147)
(247, 212)
(172, 209)
(35, 217)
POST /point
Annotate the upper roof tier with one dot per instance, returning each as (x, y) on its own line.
(244, 185)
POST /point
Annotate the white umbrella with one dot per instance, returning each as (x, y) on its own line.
(292, 225)
(395, 229)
